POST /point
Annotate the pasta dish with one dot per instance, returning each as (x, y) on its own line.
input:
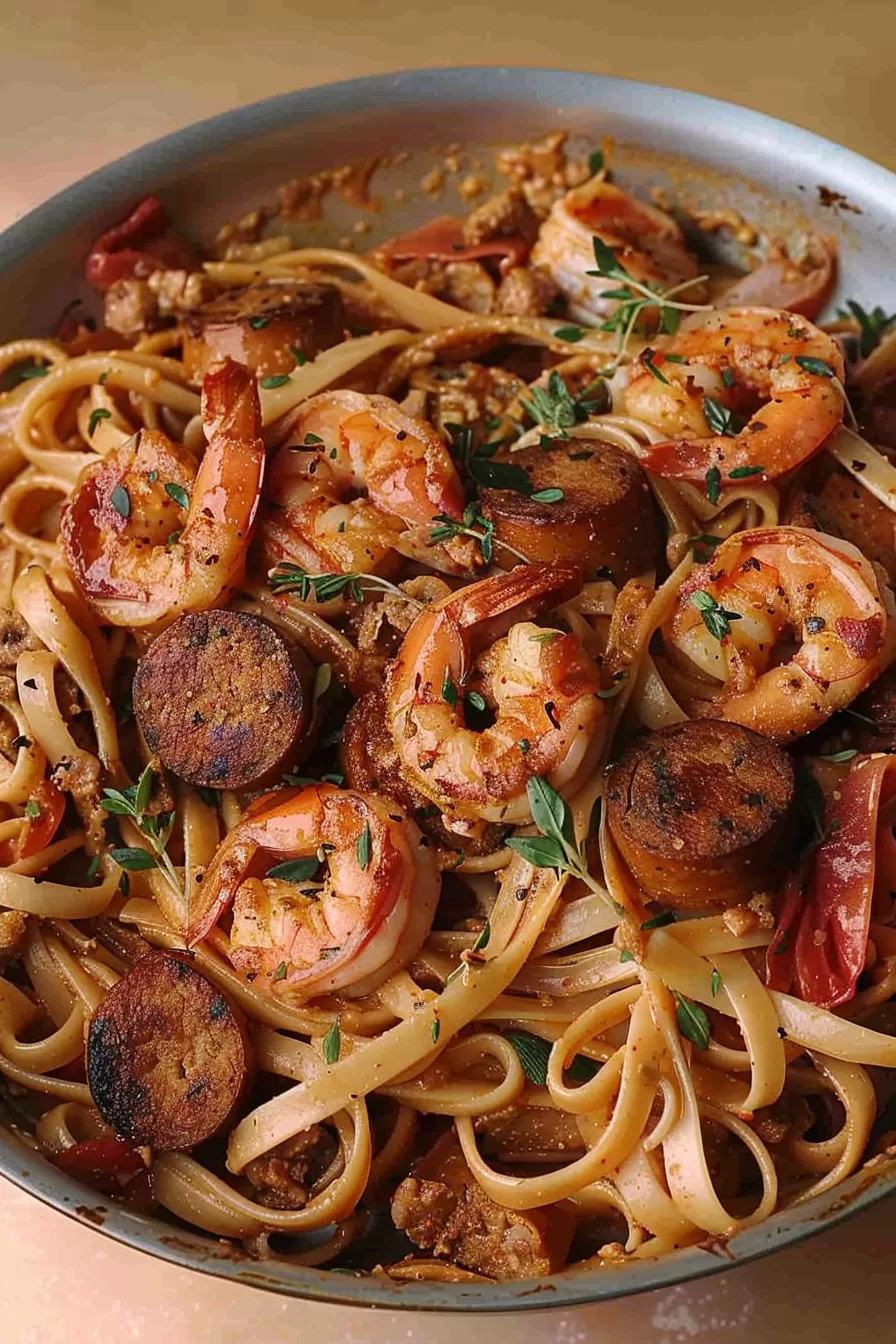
(447, 696)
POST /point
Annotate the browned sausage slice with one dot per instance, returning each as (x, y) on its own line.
(168, 1055)
(219, 698)
(699, 812)
(263, 326)
(606, 519)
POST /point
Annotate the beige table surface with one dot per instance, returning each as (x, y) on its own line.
(81, 83)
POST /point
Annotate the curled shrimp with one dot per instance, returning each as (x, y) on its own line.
(737, 616)
(540, 686)
(146, 535)
(368, 915)
(721, 368)
(647, 242)
(341, 443)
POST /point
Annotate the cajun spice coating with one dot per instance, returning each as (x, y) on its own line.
(262, 326)
(699, 812)
(219, 699)
(442, 1209)
(168, 1055)
(371, 763)
(606, 518)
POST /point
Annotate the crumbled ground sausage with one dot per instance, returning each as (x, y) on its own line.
(424, 274)
(15, 638)
(469, 286)
(443, 1210)
(180, 291)
(282, 1177)
(506, 215)
(467, 393)
(526, 293)
(134, 306)
(131, 307)
(12, 930)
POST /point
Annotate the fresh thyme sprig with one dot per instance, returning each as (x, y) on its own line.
(634, 297)
(286, 578)
(557, 410)
(474, 525)
(872, 326)
(556, 847)
(155, 827)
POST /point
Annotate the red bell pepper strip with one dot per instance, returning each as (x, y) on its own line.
(442, 239)
(141, 244)
(39, 830)
(779, 957)
(830, 931)
(100, 1160)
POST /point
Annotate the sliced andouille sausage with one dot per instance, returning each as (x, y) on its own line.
(169, 1058)
(220, 699)
(607, 518)
(699, 812)
(263, 326)
(830, 500)
(370, 762)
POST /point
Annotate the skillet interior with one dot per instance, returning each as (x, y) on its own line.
(704, 155)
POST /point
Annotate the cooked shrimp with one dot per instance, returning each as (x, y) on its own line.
(368, 915)
(340, 443)
(647, 242)
(147, 536)
(722, 367)
(540, 685)
(778, 584)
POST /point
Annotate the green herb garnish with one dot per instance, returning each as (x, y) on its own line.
(692, 1021)
(873, 325)
(719, 418)
(295, 870)
(716, 619)
(474, 525)
(120, 501)
(95, 417)
(178, 494)
(635, 297)
(659, 921)
(571, 334)
(132, 802)
(28, 371)
(816, 366)
(646, 358)
(362, 846)
(332, 1042)
(288, 578)
(556, 847)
